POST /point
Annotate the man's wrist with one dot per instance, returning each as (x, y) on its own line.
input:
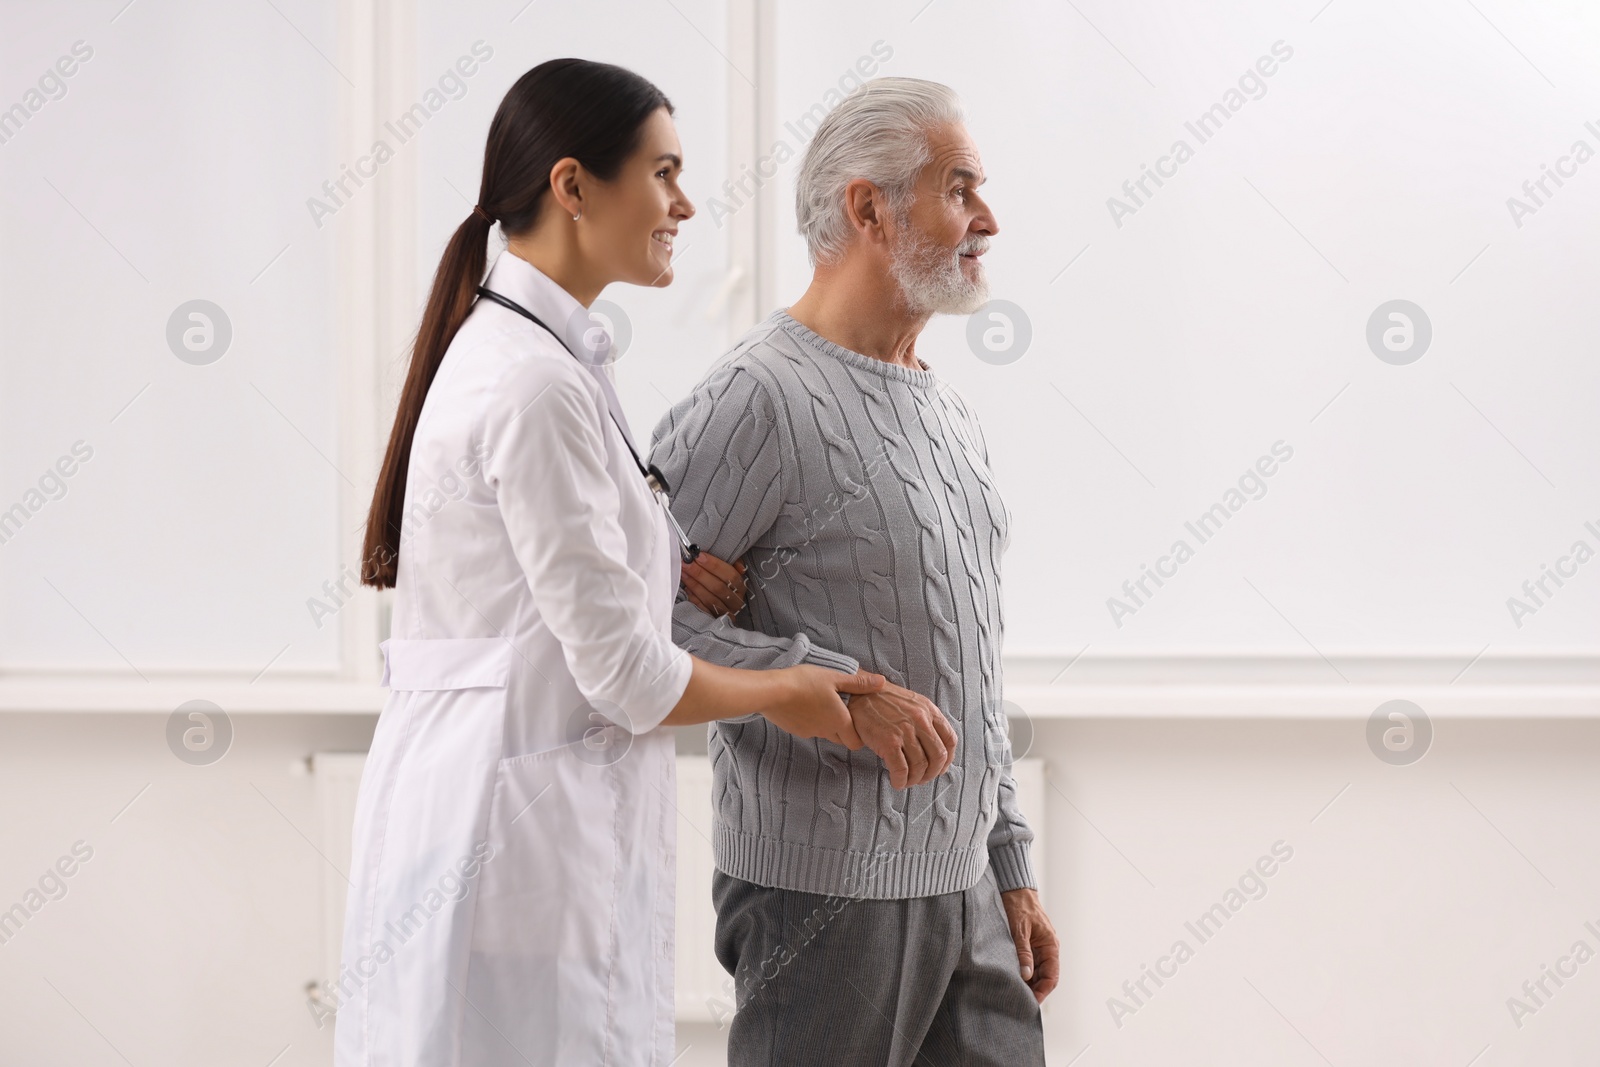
(1013, 866)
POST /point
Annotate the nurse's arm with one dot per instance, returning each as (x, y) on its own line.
(547, 445)
(802, 700)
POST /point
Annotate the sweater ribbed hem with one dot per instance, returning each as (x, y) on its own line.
(884, 875)
(1013, 868)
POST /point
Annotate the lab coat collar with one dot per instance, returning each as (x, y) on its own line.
(517, 279)
(585, 335)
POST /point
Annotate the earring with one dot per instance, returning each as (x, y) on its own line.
(575, 217)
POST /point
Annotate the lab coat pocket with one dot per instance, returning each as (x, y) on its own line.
(543, 941)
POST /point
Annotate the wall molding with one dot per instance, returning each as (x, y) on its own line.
(1555, 684)
(163, 693)
(1332, 667)
(377, 293)
(752, 130)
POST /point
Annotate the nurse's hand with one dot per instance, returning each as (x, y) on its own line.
(715, 586)
(808, 703)
(908, 731)
(802, 700)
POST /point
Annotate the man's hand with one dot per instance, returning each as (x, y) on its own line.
(1038, 951)
(911, 735)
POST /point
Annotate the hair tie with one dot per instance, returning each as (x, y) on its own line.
(477, 209)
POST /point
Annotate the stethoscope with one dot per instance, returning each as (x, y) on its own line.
(652, 474)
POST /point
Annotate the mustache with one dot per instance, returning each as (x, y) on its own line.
(973, 245)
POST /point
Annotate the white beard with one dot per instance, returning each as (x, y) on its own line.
(931, 279)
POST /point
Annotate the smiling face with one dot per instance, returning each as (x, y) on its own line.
(936, 243)
(629, 223)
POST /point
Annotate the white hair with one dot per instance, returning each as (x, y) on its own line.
(879, 132)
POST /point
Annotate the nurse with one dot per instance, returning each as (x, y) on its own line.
(511, 897)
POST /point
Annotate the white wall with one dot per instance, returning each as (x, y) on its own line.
(1171, 351)
(174, 168)
(1415, 903)
(1167, 354)
(1416, 900)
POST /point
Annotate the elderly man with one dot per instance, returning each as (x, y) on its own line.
(871, 912)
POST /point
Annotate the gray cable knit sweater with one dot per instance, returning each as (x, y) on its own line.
(859, 493)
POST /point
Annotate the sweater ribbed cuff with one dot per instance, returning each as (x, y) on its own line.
(1013, 869)
(821, 657)
(834, 661)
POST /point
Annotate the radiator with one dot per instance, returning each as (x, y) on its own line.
(704, 989)
(337, 775)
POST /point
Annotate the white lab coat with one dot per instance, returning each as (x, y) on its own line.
(511, 897)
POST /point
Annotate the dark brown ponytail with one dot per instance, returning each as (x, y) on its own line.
(592, 112)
